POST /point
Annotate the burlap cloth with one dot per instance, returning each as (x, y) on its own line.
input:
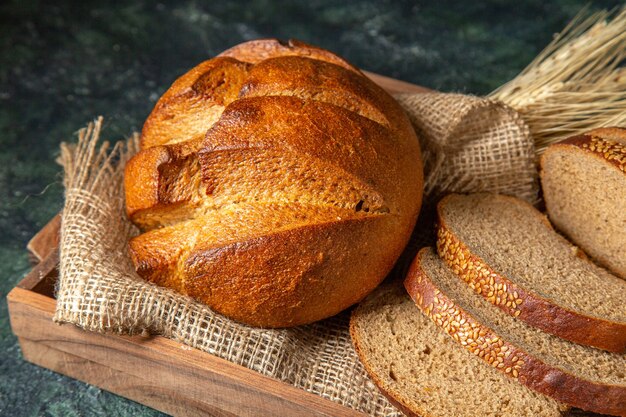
(469, 144)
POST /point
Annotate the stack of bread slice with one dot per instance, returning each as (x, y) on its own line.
(515, 320)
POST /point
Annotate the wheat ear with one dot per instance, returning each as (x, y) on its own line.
(577, 83)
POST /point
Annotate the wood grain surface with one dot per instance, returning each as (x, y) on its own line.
(204, 383)
(46, 240)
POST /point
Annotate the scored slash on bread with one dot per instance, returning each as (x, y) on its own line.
(507, 252)
(197, 256)
(425, 373)
(268, 179)
(324, 82)
(195, 101)
(180, 178)
(577, 375)
(584, 188)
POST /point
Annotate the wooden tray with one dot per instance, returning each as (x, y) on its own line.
(154, 371)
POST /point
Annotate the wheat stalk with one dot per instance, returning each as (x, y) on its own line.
(576, 83)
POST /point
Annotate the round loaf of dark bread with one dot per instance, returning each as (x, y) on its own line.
(275, 183)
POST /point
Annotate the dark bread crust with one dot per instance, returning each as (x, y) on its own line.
(506, 357)
(289, 125)
(302, 259)
(607, 145)
(519, 302)
(261, 49)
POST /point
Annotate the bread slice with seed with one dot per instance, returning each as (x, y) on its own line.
(507, 252)
(584, 187)
(581, 376)
(425, 373)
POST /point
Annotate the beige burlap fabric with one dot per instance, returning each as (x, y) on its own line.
(472, 144)
(469, 144)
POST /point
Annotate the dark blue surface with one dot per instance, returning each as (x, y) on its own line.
(63, 64)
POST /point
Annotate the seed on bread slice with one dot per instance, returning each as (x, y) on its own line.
(507, 252)
(581, 376)
(584, 187)
(424, 372)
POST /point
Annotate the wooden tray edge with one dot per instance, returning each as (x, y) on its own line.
(205, 383)
(45, 240)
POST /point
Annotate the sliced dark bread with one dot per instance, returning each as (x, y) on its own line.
(425, 373)
(507, 251)
(584, 187)
(581, 376)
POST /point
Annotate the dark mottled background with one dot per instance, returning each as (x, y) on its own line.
(63, 64)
